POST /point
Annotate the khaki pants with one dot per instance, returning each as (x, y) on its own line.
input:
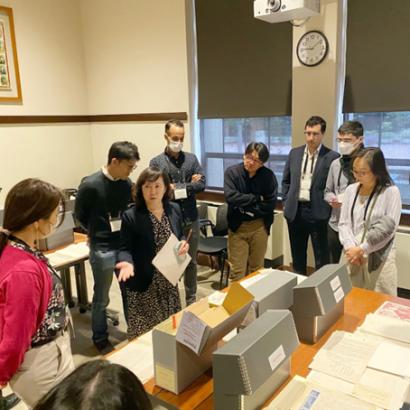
(43, 367)
(247, 248)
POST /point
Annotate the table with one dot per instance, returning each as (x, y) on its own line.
(358, 303)
(80, 279)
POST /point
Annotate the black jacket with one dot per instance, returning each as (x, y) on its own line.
(291, 183)
(138, 244)
(250, 196)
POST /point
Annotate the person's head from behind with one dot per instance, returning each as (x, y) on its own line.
(315, 129)
(256, 154)
(97, 385)
(350, 137)
(174, 135)
(122, 159)
(153, 186)
(34, 207)
(369, 168)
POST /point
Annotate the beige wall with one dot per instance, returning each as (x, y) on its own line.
(92, 57)
(50, 53)
(316, 90)
(136, 62)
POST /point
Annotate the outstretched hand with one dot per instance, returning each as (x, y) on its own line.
(126, 271)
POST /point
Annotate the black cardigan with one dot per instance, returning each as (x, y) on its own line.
(138, 245)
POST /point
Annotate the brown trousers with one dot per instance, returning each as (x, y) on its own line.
(247, 248)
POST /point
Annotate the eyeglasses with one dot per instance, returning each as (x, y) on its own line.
(249, 158)
(131, 166)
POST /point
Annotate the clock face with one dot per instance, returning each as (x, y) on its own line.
(312, 48)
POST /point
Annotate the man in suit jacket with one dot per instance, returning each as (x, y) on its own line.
(303, 185)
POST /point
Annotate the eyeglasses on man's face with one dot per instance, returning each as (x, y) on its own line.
(253, 160)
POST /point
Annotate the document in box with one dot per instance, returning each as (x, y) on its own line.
(190, 331)
(137, 357)
(169, 263)
(391, 358)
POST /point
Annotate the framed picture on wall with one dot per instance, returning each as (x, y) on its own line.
(10, 88)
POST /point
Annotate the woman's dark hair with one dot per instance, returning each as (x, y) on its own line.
(377, 164)
(260, 148)
(97, 385)
(151, 175)
(27, 202)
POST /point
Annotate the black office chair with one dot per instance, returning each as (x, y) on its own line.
(216, 245)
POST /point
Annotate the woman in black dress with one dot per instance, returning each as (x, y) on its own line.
(145, 229)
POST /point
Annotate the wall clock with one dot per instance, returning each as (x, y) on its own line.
(312, 48)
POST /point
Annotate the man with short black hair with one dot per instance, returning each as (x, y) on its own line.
(101, 199)
(250, 191)
(303, 184)
(350, 141)
(187, 179)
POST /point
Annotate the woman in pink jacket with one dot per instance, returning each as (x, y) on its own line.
(35, 352)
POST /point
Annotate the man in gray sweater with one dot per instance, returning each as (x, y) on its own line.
(350, 141)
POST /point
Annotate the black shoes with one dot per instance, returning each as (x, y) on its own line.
(8, 402)
(104, 346)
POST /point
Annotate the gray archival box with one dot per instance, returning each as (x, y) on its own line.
(318, 301)
(251, 366)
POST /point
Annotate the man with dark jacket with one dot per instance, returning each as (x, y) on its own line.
(101, 199)
(303, 185)
(250, 191)
(187, 179)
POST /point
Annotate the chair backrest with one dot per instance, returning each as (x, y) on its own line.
(202, 210)
(221, 225)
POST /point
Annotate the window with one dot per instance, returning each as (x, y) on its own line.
(223, 143)
(391, 132)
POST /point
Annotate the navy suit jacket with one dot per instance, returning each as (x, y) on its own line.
(291, 183)
(138, 242)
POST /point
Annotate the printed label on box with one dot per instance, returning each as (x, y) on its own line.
(276, 358)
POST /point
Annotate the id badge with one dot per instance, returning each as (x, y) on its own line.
(115, 224)
(180, 192)
(340, 197)
(306, 183)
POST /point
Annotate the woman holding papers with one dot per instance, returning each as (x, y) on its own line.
(35, 351)
(370, 215)
(145, 229)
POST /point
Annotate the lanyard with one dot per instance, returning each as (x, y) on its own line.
(306, 162)
(367, 204)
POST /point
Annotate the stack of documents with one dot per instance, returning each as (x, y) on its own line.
(302, 394)
(137, 356)
(70, 253)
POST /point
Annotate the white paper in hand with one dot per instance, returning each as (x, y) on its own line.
(169, 263)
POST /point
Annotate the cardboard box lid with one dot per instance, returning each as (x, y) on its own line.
(212, 323)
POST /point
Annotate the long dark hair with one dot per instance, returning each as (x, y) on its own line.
(151, 174)
(377, 164)
(97, 385)
(27, 202)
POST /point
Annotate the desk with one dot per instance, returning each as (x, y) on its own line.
(80, 279)
(358, 304)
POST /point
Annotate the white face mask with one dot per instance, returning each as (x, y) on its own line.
(175, 146)
(346, 148)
